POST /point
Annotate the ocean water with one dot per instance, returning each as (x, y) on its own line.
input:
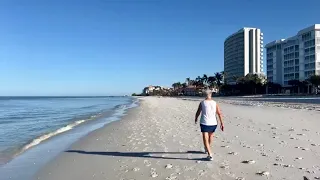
(26, 122)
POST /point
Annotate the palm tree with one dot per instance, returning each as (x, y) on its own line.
(188, 81)
(205, 80)
(212, 81)
(219, 78)
(184, 85)
(199, 82)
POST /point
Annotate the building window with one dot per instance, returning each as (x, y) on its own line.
(296, 47)
(296, 54)
(296, 61)
(296, 76)
(297, 68)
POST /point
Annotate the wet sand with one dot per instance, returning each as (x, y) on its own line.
(159, 140)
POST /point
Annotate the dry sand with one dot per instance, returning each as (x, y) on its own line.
(159, 140)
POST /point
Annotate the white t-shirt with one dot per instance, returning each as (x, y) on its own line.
(208, 115)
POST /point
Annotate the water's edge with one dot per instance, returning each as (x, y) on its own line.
(43, 149)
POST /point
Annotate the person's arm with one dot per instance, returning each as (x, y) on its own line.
(220, 117)
(198, 113)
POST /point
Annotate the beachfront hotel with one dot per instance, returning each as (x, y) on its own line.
(243, 54)
(294, 58)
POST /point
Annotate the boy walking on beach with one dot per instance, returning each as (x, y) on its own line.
(208, 121)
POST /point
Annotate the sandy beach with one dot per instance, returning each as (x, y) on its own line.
(159, 140)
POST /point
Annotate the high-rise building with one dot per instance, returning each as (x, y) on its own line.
(243, 54)
(294, 58)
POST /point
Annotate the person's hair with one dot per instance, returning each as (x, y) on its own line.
(208, 93)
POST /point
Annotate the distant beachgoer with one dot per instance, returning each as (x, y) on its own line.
(208, 121)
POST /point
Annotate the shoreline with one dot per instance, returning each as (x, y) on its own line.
(28, 160)
(158, 140)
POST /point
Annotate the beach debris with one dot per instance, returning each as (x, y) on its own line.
(236, 136)
(169, 166)
(305, 149)
(316, 177)
(305, 129)
(299, 158)
(264, 154)
(291, 129)
(301, 134)
(288, 165)
(198, 162)
(302, 168)
(136, 169)
(260, 145)
(233, 153)
(225, 146)
(249, 162)
(263, 173)
(274, 127)
(298, 147)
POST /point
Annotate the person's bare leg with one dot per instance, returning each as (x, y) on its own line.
(210, 138)
(205, 137)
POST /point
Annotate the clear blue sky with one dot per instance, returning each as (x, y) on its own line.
(111, 47)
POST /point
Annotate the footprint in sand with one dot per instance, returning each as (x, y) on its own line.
(240, 178)
(147, 163)
(224, 167)
(291, 129)
(201, 172)
(171, 177)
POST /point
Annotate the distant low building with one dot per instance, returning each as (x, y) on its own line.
(147, 90)
(190, 91)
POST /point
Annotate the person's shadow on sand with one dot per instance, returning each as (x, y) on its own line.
(141, 154)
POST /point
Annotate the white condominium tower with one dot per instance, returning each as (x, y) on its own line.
(243, 54)
(294, 58)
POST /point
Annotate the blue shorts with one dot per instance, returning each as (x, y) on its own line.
(205, 128)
